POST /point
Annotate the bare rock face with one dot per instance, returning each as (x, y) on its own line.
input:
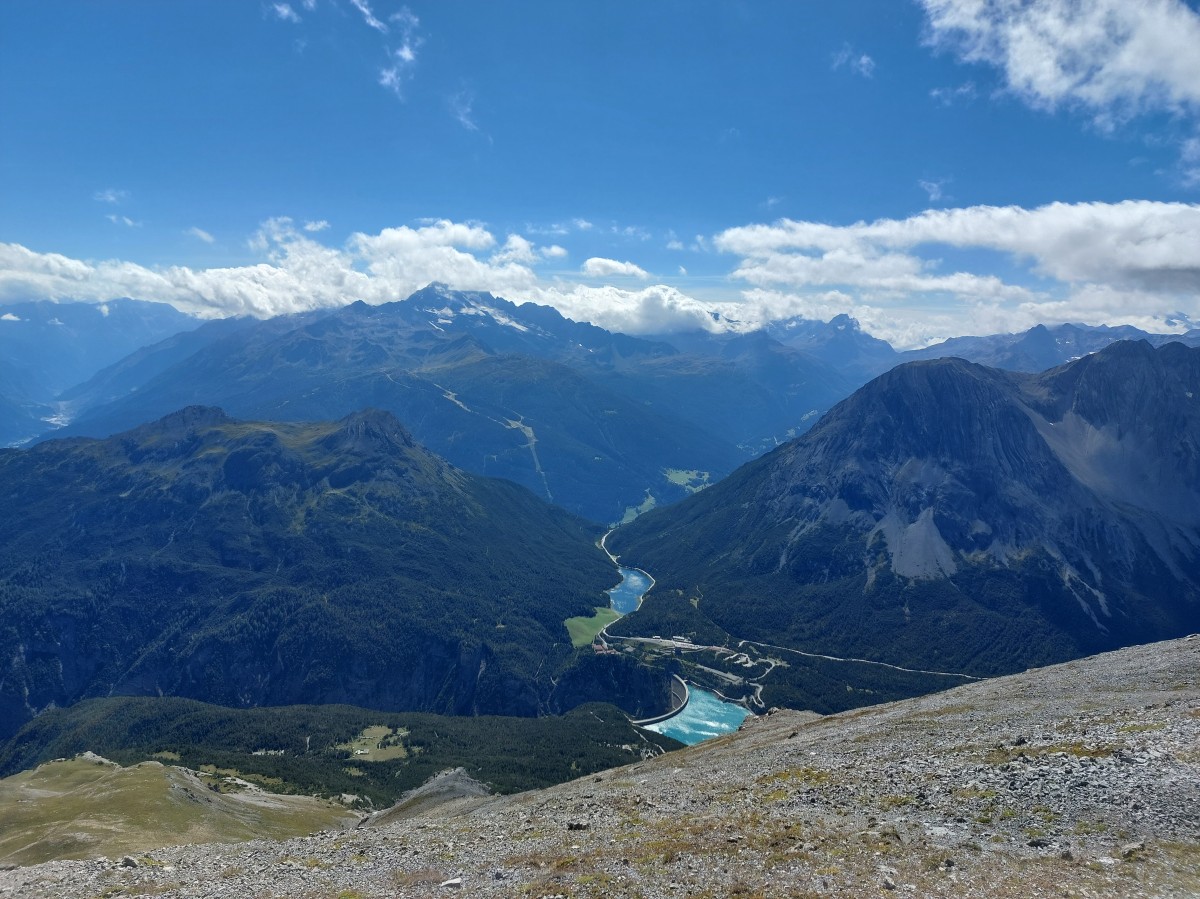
(1077, 780)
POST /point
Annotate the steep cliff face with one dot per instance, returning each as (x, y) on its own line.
(251, 564)
(1055, 513)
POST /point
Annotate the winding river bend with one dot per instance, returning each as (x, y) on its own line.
(706, 715)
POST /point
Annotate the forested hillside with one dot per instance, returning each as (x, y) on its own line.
(253, 564)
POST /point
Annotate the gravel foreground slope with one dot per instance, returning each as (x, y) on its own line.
(1077, 780)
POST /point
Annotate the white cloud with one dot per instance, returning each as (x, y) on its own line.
(651, 310)
(932, 188)
(1132, 262)
(1190, 158)
(284, 12)
(630, 232)
(1134, 243)
(516, 249)
(111, 195)
(297, 273)
(949, 96)
(462, 108)
(123, 220)
(402, 53)
(200, 234)
(9, 317)
(581, 224)
(369, 16)
(598, 267)
(859, 63)
(1077, 260)
(1114, 58)
(314, 227)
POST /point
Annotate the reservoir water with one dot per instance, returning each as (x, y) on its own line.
(627, 594)
(706, 715)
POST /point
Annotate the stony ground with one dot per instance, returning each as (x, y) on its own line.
(1079, 780)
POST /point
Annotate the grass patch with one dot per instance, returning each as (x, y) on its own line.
(807, 776)
(691, 481)
(378, 743)
(583, 629)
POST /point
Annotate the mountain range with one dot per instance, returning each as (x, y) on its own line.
(947, 516)
(601, 423)
(593, 421)
(47, 347)
(955, 517)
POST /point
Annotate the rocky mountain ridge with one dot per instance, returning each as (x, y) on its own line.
(1035, 517)
(1081, 780)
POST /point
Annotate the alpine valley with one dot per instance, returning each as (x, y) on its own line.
(336, 552)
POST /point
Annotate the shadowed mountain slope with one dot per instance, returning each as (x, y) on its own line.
(248, 564)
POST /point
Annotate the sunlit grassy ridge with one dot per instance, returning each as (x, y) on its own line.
(84, 807)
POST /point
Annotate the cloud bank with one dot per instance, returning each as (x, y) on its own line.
(1133, 262)
(1100, 263)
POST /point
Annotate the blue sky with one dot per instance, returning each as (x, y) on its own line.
(933, 167)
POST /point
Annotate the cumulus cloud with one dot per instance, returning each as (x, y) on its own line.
(659, 309)
(297, 273)
(516, 249)
(599, 267)
(1113, 57)
(200, 234)
(1132, 262)
(1112, 60)
(9, 317)
(314, 227)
